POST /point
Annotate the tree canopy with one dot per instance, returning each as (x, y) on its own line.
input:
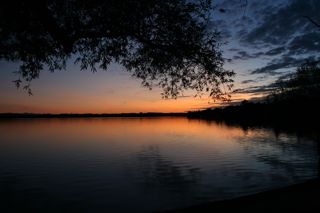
(307, 75)
(300, 86)
(165, 43)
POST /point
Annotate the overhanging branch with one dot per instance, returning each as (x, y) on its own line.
(312, 21)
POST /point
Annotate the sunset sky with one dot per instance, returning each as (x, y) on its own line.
(262, 42)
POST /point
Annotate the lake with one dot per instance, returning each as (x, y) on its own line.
(142, 164)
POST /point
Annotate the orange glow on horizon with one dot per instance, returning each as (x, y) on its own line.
(101, 92)
(103, 105)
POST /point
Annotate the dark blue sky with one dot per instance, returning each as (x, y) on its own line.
(267, 39)
(262, 41)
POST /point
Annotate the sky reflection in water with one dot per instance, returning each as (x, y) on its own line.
(142, 164)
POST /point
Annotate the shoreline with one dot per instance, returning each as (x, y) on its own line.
(301, 197)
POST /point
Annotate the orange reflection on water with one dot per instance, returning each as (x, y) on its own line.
(130, 130)
(178, 137)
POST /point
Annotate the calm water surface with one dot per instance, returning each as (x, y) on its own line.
(142, 164)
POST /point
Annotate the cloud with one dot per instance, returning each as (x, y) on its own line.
(247, 81)
(275, 51)
(257, 89)
(279, 25)
(284, 62)
(244, 55)
(305, 44)
(285, 77)
(286, 33)
(274, 32)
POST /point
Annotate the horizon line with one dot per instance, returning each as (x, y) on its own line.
(88, 115)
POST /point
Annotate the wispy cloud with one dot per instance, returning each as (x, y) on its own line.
(285, 62)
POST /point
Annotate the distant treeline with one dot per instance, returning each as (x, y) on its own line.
(86, 115)
(296, 99)
(263, 112)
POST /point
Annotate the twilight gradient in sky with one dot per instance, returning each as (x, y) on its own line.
(264, 41)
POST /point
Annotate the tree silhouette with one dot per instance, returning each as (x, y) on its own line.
(305, 82)
(165, 43)
(315, 23)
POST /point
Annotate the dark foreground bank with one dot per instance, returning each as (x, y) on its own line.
(303, 197)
